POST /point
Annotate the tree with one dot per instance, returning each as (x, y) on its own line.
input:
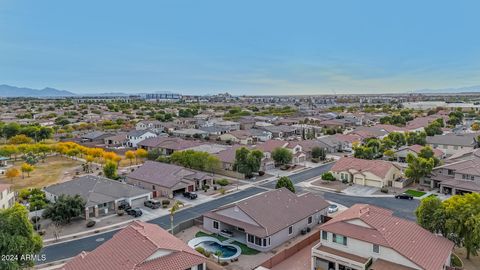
(427, 153)
(247, 162)
(65, 208)
(140, 153)
(285, 182)
(20, 139)
(430, 214)
(26, 168)
(389, 153)
(475, 126)
(130, 155)
(397, 138)
(110, 170)
(212, 164)
(418, 137)
(418, 167)
(328, 176)
(282, 156)
(433, 128)
(176, 206)
(319, 153)
(12, 173)
(17, 238)
(363, 152)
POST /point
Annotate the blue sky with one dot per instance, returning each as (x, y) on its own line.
(243, 47)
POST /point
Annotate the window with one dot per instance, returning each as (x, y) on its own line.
(339, 239)
(324, 235)
(264, 242)
(290, 230)
(450, 172)
(468, 177)
(376, 248)
(250, 238)
(215, 225)
(153, 187)
(200, 266)
(310, 220)
(258, 241)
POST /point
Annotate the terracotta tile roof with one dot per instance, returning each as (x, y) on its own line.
(271, 145)
(427, 250)
(349, 256)
(274, 210)
(417, 148)
(379, 168)
(380, 264)
(138, 247)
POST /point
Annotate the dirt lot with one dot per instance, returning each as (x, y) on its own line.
(55, 169)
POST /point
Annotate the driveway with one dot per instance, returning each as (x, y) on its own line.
(359, 190)
(303, 175)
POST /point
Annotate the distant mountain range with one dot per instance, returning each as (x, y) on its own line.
(12, 91)
(468, 89)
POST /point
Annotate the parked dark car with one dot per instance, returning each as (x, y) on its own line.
(190, 195)
(136, 212)
(404, 196)
(123, 205)
(152, 204)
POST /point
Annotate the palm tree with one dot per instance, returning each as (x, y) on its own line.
(176, 206)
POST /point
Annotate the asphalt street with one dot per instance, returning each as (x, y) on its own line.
(401, 208)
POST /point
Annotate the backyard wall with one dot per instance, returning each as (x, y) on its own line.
(290, 251)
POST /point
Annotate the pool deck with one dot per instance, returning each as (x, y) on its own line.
(198, 240)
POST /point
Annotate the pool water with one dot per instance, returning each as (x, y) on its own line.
(227, 251)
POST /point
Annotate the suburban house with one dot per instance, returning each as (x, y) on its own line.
(168, 180)
(267, 220)
(269, 146)
(374, 173)
(153, 125)
(401, 154)
(250, 136)
(167, 145)
(94, 136)
(369, 237)
(453, 143)
(459, 177)
(282, 131)
(339, 142)
(227, 157)
(102, 195)
(115, 140)
(190, 133)
(136, 136)
(140, 246)
(7, 196)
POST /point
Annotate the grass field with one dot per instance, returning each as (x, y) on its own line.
(52, 171)
(415, 193)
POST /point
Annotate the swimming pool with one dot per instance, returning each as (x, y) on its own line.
(213, 245)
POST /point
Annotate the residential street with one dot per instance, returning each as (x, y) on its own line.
(401, 208)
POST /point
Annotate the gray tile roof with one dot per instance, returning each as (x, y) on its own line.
(165, 175)
(96, 190)
(454, 139)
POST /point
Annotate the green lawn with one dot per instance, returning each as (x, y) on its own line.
(415, 193)
(219, 237)
(246, 250)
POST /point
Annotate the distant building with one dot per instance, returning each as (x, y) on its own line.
(163, 97)
(7, 196)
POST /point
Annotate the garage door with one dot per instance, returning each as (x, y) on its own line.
(372, 183)
(358, 181)
(139, 201)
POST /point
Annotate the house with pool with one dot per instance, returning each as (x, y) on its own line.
(269, 219)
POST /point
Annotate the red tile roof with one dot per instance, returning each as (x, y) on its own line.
(379, 168)
(427, 250)
(132, 249)
(417, 148)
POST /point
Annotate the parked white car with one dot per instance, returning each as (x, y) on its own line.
(332, 208)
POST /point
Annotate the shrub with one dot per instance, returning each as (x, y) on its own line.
(165, 202)
(222, 182)
(90, 223)
(261, 173)
(384, 190)
(206, 187)
(222, 191)
(328, 176)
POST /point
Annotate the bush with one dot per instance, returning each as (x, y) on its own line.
(206, 187)
(328, 176)
(261, 173)
(222, 182)
(384, 190)
(90, 223)
(35, 219)
(202, 251)
(165, 202)
(222, 191)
